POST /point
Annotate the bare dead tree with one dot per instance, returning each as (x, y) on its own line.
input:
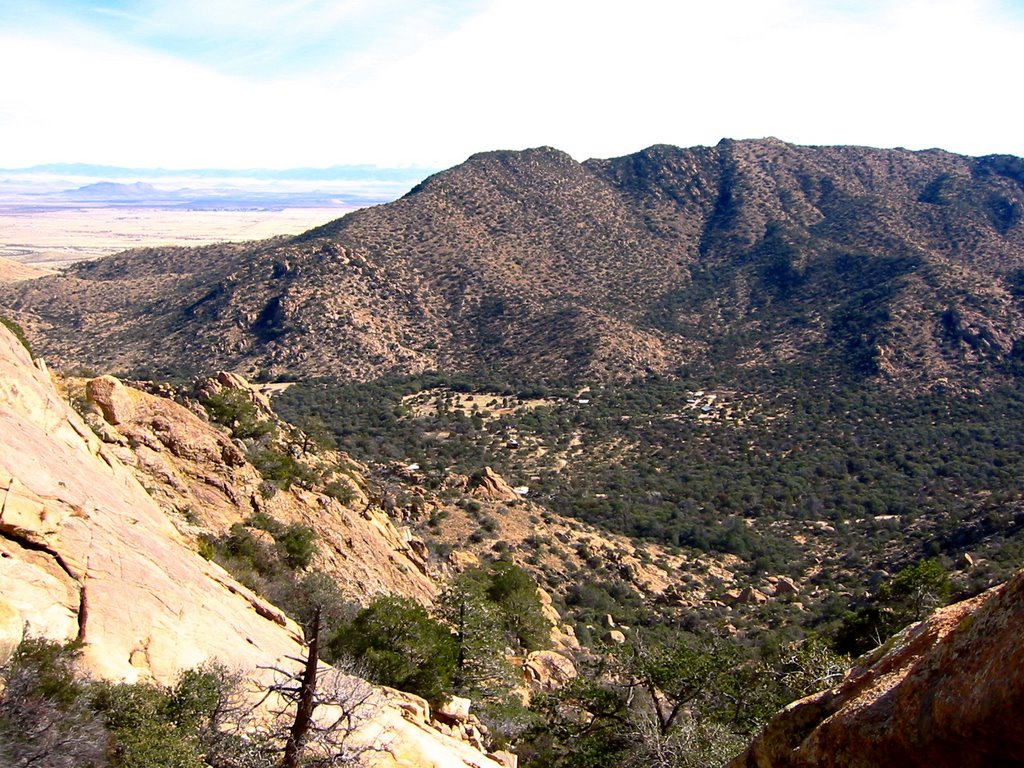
(327, 711)
(693, 743)
(226, 739)
(305, 700)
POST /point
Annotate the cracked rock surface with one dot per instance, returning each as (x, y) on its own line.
(86, 553)
(946, 692)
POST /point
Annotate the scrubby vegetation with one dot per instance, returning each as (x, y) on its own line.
(257, 563)
(883, 492)
(741, 470)
(400, 645)
(51, 717)
(690, 702)
(234, 409)
(909, 596)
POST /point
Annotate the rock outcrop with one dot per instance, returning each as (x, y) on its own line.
(204, 484)
(90, 556)
(947, 691)
(86, 554)
(548, 670)
(488, 484)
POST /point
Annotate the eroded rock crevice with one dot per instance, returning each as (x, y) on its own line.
(22, 541)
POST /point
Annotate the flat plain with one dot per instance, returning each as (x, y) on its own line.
(56, 237)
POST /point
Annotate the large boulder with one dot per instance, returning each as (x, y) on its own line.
(112, 398)
(548, 670)
(455, 709)
(946, 692)
(488, 484)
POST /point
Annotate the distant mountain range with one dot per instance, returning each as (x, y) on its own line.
(750, 255)
(60, 185)
(332, 173)
(145, 195)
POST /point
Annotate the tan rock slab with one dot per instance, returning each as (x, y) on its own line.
(549, 670)
(944, 693)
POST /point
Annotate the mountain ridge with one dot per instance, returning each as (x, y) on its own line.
(753, 254)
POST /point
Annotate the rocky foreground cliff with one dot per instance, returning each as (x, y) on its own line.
(948, 691)
(87, 555)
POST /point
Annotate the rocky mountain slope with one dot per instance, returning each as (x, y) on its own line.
(204, 483)
(751, 254)
(89, 556)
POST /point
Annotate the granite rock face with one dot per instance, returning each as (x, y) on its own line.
(92, 557)
(947, 691)
(87, 554)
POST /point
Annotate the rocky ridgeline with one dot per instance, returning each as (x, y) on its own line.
(13, 271)
(204, 483)
(748, 254)
(88, 555)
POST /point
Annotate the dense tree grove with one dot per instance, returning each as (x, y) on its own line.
(662, 460)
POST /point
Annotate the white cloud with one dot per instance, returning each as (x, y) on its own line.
(595, 78)
(120, 106)
(601, 81)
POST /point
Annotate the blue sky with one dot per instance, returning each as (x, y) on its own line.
(281, 83)
(255, 38)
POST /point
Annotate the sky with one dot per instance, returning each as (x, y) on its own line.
(424, 83)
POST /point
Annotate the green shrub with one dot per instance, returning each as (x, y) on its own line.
(239, 542)
(909, 596)
(341, 490)
(51, 718)
(295, 541)
(281, 468)
(234, 409)
(206, 547)
(19, 334)
(45, 719)
(401, 646)
(145, 734)
(297, 544)
(171, 727)
(514, 592)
